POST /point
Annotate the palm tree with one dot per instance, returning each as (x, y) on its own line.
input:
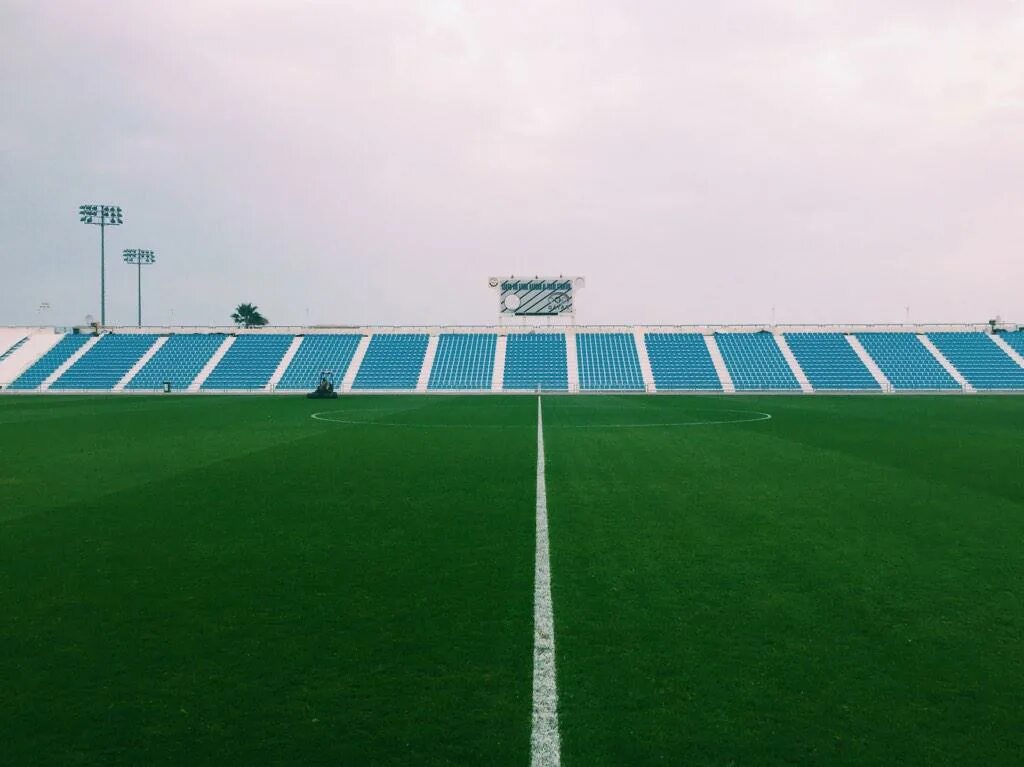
(248, 316)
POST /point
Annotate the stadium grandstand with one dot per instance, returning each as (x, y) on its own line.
(573, 359)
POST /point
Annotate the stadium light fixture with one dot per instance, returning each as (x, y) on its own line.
(139, 258)
(101, 216)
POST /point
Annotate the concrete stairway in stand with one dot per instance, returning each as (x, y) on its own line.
(1012, 353)
(794, 365)
(941, 359)
(63, 368)
(354, 365)
(724, 377)
(646, 374)
(282, 366)
(140, 363)
(212, 363)
(572, 369)
(869, 363)
(498, 375)
(428, 363)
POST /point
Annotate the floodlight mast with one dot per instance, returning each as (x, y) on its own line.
(101, 216)
(139, 258)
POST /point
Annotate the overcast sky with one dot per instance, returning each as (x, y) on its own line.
(374, 162)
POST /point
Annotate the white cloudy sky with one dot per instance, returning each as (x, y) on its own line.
(374, 161)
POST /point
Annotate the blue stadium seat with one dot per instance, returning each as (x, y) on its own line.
(536, 361)
(318, 353)
(177, 362)
(43, 368)
(681, 362)
(463, 361)
(755, 362)
(392, 361)
(830, 363)
(608, 362)
(980, 361)
(249, 362)
(533, 360)
(905, 361)
(106, 363)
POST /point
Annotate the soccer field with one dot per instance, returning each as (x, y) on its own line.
(735, 580)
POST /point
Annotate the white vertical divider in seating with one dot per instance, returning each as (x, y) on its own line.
(428, 362)
(82, 351)
(941, 359)
(282, 366)
(498, 374)
(572, 361)
(1012, 353)
(211, 363)
(140, 363)
(357, 360)
(869, 362)
(724, 376)
(646, 374)
(794, 365)
(26, 355)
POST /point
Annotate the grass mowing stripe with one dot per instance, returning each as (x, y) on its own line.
(796, 602)
(358, 597)
(545, 749)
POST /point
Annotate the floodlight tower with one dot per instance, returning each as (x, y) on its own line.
(101, 216)
(139, 258)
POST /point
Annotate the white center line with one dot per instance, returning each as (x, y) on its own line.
(545, 742)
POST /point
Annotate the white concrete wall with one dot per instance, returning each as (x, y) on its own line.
(40, 341)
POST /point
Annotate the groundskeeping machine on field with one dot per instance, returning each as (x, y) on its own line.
(325, 389)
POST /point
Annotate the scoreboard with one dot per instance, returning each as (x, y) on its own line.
(536, 296)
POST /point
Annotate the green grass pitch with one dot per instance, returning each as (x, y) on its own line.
(225, 580)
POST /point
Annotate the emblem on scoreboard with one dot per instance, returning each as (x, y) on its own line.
(536, 296)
